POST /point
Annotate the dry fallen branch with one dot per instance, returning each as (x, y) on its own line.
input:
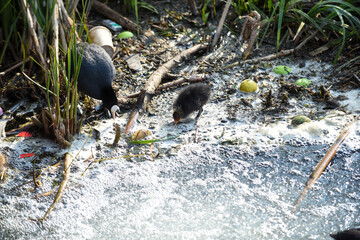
(120, 19)
(325, 161)
(282, 53)
(193, 79)
(154, 81)
(61, 189)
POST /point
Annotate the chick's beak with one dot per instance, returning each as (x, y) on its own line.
(176, 121)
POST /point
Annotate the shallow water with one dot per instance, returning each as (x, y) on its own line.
(239, 181)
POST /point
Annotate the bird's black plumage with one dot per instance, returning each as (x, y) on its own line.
(96, 74)
(351, 234)
(190, 99)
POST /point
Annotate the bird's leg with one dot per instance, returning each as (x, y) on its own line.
(196, 120)
(195, 137)
(199, 113)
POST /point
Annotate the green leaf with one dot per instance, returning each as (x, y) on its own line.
(125, 34)
(282, 70)
(303, 82)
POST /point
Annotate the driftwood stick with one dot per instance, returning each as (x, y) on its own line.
(33, 33)
(155, 80)
(325, 161)
(220, 26)
(120, 19)
(61, 189)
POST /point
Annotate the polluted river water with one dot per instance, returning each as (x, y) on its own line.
(238, 181)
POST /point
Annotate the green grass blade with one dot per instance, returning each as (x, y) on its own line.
(344, 35)
(152, 140)
(280, 20)
(269, 22)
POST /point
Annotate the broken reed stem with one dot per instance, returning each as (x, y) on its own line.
(221, 24)
(61, 189)
(325, 161)
(33, 33)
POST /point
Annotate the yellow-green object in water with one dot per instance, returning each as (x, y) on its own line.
(248, 85)
(296, 121)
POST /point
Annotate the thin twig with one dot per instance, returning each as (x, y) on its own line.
(325, 161)
(193, 79)
(15, 66)
(282, 53)
(61, 189)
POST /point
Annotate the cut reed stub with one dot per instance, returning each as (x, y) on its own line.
(117, 134)
(3, 167)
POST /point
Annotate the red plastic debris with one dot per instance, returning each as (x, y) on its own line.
(24, 134)
(25, 155)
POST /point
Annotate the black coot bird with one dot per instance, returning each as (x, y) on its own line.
(96, 74)
(351, 234)
(191, 99)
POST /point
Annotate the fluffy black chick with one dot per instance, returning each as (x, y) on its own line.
(96, 74)
(351, 234)
(191, 98)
